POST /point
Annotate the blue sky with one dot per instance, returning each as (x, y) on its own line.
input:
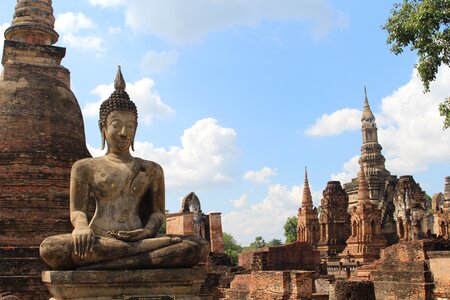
(236, 97)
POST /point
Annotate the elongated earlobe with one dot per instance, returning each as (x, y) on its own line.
(132, 145)
(103, 140)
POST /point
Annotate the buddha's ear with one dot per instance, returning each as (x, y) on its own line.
(102, 131)
(132, 144)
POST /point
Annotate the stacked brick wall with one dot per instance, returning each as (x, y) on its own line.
(42, 135)
(403, 272)
(273, 285)
(294, 256)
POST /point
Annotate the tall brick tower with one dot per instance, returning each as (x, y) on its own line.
(372, 161)
(381, 183)
(366, 240)
(334, 221)
(42, 134)
(308, 221)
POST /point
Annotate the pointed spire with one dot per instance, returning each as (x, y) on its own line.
(33, 23)
(307, 197)
(119, 83)
(367, 114)
(363, 188)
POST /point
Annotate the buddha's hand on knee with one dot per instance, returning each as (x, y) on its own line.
(133, 235)
(83, 241)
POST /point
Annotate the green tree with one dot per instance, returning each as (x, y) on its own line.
(162, 229)
(232, 248)
(290, 229)
(274, 242)
(258, 243)
(423, 25)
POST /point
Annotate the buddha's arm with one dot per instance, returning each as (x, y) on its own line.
(82, 234)
(157, 204)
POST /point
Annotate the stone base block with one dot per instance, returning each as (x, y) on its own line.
(125, 285)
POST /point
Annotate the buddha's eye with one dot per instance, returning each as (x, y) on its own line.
(116, 124)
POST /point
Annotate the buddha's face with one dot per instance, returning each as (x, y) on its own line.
(119, 130)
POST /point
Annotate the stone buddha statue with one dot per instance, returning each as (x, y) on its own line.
(130, 205)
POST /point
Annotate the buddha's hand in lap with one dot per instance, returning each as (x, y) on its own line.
(83, 240)
(133, 235)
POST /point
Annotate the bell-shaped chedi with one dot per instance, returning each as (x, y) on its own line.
(42, 134)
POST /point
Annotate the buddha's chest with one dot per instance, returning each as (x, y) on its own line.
(113, 182)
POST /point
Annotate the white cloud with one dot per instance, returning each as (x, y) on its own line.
(265, 218)
(260, 176)
(351, 169)
(206, 158)
(148, 101)
(158, 61)
(70, 24)
(410, 130)
(415, 137)
(346, 119)
(241, 201)
(191, 21)
(84, 43)
(114, 30)
(107, 3)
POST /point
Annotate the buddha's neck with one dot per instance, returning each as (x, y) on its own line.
(119, 157)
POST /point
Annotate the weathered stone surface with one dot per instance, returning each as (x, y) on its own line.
(130, 204)
(354, 290)
(439, 266)
(334, 221)
(366, 240)
(411, 214)
(403, 271)
(174, 283)
(441, 208)
(380, 183)
(42, 135)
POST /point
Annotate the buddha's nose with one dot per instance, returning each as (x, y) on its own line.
(123, 132)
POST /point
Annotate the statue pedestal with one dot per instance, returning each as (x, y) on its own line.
(164, 284)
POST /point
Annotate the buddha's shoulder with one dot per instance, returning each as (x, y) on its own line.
(88, 163)
(151, 166)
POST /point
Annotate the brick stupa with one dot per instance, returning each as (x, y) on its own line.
(366, 240)
(308, 221)
(42, 134)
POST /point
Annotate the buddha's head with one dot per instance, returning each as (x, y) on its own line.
(118, 118)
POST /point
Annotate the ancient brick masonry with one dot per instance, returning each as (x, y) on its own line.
(192, 221)
(441, 208)
(293, 256)
(308, 222)
(334, 221)
(366, 240)
(42, 135)
(411, 210)
(381, 184)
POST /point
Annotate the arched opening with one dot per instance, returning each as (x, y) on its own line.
(401, 229)
(373, 228)
(443, 229)
(354, 228)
